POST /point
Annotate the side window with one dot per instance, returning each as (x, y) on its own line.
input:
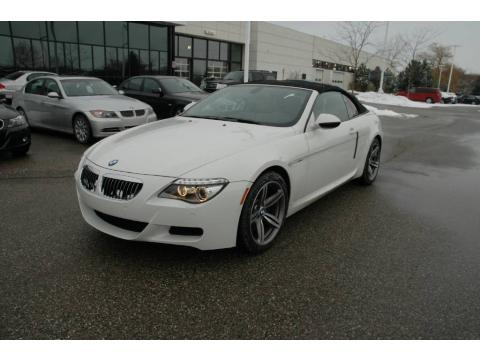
(35, 87)
(51, 86)
(331, 102)
(149, 85)
(35, 75)
(351, 108)
(134, 84)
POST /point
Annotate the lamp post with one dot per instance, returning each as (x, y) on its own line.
(382, 74)
(440, 69)
(451, 68)
(246, 59)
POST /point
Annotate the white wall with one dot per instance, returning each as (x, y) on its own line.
(276, 48)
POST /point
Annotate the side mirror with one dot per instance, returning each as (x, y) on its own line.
(121, 92)
(188, 106)
(53, 95)
(158, 91)
(327, 121)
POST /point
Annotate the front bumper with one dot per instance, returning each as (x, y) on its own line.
(217, 218)
(14, 138)
(105, 127)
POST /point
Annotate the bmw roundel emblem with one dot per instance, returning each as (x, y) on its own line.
(112, 162)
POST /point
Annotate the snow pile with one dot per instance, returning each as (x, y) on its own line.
(390, 113)
(390, 99)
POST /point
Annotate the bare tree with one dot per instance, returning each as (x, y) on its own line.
(438, 55)
(394, 53)
(356, 36)
(418, 40)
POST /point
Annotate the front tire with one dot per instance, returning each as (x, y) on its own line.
(82, 129)
(372, 163)
(263, 213)
(429, 101)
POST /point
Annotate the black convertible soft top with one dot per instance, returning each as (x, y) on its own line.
(314, 86)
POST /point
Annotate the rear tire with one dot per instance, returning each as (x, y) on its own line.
(82, 129)
(263, 213)
(372, 163)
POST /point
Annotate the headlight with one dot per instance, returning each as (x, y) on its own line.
(221, 86)
(17, 121)
(194, 191)
(103, 114)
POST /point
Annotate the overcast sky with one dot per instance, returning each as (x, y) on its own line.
(465, 34)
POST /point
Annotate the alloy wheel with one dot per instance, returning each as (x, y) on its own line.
(81, 129)
(267, 213)
(373, 161)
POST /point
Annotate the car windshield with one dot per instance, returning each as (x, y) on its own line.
(179, 85)
(234, 75)
(87, 87)
(256, 104)
(14, 76)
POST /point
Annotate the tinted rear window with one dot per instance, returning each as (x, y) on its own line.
(15, 75)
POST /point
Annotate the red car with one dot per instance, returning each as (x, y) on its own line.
(429, 95)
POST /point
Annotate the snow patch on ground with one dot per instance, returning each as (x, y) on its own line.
(390, 99)
(390, 113)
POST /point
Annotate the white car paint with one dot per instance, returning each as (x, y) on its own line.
(316, 160)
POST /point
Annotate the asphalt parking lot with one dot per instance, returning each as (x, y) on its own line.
(399, 259)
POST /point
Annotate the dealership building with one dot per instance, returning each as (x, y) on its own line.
(115, 50)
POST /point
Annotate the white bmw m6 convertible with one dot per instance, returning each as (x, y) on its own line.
(231, 168)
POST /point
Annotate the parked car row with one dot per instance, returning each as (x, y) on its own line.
(433, 95)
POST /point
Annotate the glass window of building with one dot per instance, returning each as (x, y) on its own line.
(163, 62)
(235, 66)
(236, 54)
(29, 29)
(98, 58)
(111, 60)
(57, 55)
(90, 32)
(6, 54)
(23, 53)
(217, 69)
(62, 31)
(200, 48)
(72, 63)
(138, 36)
(199, 70)
(158, 38)
(223, 51)
(182, 68)
(144, 61)
(116, 33)
(213, 50)
(154, 62)
(40, 54)
(184, 46)
(86, 63)
(4, 28)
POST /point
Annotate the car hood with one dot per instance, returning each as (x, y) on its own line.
(109, 102)
(179, 145)
(191, 95)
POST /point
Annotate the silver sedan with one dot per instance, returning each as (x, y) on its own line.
(87, 107)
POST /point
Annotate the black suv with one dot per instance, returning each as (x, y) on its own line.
(14, 131)
(469, 99)
(236, 77)
(167, 95)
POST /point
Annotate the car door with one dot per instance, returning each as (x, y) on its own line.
(32, 97)
(331, 150)
(54, 110)
(155, 96)
(133, 87)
